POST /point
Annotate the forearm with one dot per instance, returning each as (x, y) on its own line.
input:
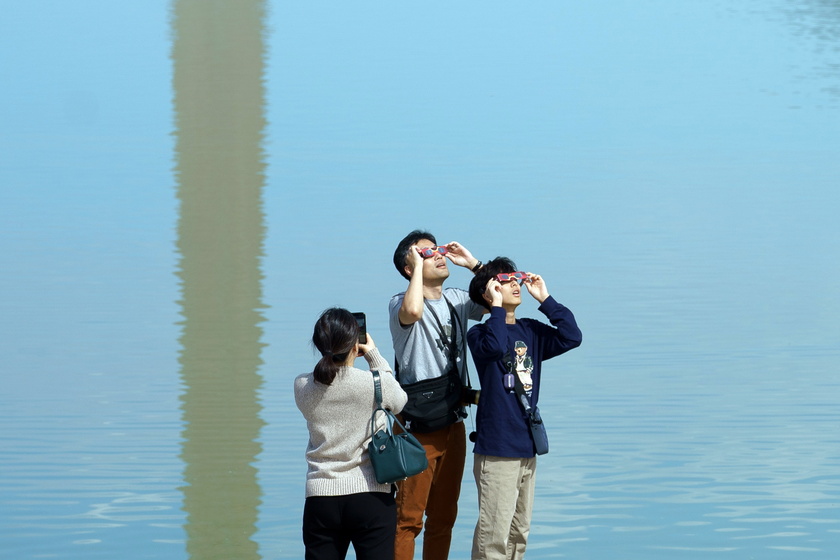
(376, 361)
(567, 332)
(488, 341)
(411, 309)
(461, 256)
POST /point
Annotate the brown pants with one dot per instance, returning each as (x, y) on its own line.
(434, 492)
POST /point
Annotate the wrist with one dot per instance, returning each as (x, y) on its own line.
(476, 267)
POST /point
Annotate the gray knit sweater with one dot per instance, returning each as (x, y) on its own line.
(338, 419)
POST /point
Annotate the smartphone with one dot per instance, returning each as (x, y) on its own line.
(360, 318)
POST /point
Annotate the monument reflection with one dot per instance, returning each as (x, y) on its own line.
(218, 60)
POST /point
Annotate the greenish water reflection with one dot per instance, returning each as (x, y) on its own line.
(217, 53)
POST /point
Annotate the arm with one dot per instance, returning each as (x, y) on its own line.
(536, 287)
(411, 310)
(565, 334)
(488, 341)
(393, 396)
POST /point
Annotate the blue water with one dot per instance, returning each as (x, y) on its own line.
(184, 186)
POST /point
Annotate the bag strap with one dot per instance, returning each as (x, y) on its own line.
(377, 396)
(456, 327)
(390, 418)
(521, 396)
(377, 389)
(450, 340)
(452, 343)
(531, 413)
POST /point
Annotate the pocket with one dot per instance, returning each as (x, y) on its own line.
(432, 404)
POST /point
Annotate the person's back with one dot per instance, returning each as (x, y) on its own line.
(338, 417)
(344, 503)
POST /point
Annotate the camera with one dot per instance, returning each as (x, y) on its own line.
(470, 396)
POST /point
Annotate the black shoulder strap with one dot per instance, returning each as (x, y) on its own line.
(520, 390)
(377, 389)
(450, 341)
(456, 327)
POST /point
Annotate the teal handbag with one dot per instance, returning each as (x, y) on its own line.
(393, 456)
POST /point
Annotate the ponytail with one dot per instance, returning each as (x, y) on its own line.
(327, 367)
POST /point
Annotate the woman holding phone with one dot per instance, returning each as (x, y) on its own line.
(344, 503)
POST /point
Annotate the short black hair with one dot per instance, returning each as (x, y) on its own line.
(402, 249)
(487, 271)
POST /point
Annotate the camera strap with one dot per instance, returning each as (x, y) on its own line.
(451, 342)
(454, 354)
(519, 389)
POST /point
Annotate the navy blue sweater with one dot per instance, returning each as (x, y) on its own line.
(501, 426)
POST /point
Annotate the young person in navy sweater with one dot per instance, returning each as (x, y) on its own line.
(505, 454)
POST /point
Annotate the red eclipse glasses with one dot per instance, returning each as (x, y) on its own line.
(430, 251)
(508, 276)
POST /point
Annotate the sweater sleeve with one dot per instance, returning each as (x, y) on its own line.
(564, 334)
(376, 361)
(393, 396)
(488, 341)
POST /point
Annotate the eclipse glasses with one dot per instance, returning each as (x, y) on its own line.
(431, 251)
(508, 276)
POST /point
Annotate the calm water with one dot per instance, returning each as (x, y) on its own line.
(185, 185)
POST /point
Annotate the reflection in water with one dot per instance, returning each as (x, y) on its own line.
(820, 19)
(218, 68)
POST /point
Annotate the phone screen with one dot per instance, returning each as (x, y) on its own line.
(360, 318)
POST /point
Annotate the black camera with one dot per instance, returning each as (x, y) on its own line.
(470, 396)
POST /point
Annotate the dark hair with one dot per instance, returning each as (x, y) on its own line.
(335, 335)
(488, 270)
(402, 249)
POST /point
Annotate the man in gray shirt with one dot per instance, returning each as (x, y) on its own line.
(428, 325)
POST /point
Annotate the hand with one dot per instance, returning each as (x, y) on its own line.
(459, 255)
(493, 293)
(536, 287)
(366, 347)
(415, 259)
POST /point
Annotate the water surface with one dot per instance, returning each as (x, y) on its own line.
(186, 185)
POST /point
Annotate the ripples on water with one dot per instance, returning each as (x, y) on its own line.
(747, 468)
(90, 474)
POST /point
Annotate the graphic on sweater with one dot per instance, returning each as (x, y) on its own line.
(523, 364)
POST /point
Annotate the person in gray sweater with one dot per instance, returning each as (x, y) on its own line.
(344, 503)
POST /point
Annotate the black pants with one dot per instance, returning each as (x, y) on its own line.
(331, 523)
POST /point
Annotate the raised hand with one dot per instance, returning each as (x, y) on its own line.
(493, 293)
(367, 346)
(536, 287)
(459, 255)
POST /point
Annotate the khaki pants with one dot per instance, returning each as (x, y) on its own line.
(434, 492)
(505, 499)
